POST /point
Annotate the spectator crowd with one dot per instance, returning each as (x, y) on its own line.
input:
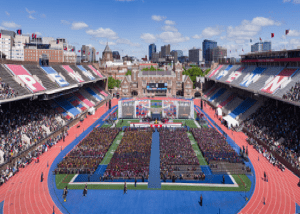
(132, 157)
(89, 153)
(214, 146)
(293, 93)
(278, 126)
(6, 91)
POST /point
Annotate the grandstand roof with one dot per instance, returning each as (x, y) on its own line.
(268, 53)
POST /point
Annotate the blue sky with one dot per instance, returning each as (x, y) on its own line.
(130, 26)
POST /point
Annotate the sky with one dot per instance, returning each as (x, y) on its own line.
(129, 26)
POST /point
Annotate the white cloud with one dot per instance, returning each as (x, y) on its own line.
(172, 37)
(148, 37)
(38, 33)
(103, 33)
(158, 18)
(90, 45)
(30, 12)
(296, 1)
(294, 33)
(2, 28)
(209, 32)
(31, 17)
(78, 25)
(286, 1)
(169, 22)
(127, 42)
(169, 28)
(248, 29)
(10, 25)
(64, 22)
(7, 13)
(105, 43)
(295, 43)
(43, 16)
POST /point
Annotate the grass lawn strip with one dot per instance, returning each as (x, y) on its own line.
(112, 149)
(195, 146)
(126, 123)
(143, 186)
(106, 126)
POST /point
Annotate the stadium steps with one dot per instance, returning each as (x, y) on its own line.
(67, 106)
(246, 71)
(206, 170)
(215, 73)
(84, 100)
(260, 83)
(231, 70)
(221, 98)
(62, 71)
(154, 168)
(97, 92)
(232, 105)
(217, 68)
(80, 67)
(229, 99)
(89, 90)
(244, 106)
(76, 69)
(224, 72)
(218, 94)
(214, 77)
(210, 91)
(7, 77)
(251, 110)
(92, 72)
(71, 98)
(35, 70)
(88, 96)
(101, 91)
(281, 91)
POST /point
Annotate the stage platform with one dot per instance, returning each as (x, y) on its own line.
(152, 124)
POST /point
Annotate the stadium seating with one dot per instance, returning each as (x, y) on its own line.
(73, 74)
(219, 93)
(101, 91)
(274, 83)
(227, 100)
(221, 98)
(54, 75)
(35, 70)
(83, 99)
(244, 72)
(21, 74)
(84, 76)
(75, 102)
(252, 77)
(232, 105)
(210, 91)
(244, 106)
(93, 70)
(88, 96)
(62, 71)
(283, 90)
(8, 78)
(215, 71)
(251, 110)
(89, 75)
(89, 90)
(67, 106)
(234, 75)
(223, 76)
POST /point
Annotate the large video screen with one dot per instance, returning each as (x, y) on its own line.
(157, 85)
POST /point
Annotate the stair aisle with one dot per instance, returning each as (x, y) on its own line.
(154, 168)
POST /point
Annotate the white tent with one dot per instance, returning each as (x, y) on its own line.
(92, 110)
(219, 112)
(231, 121)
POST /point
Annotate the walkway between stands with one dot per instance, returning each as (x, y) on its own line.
(154, 168)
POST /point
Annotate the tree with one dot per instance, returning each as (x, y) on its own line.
(193, 72)
(128, 73)
(111, 82)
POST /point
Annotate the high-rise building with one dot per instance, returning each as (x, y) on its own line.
(152, 49)
(195, 55)
(206, 45)
(213, 55)
(261, 46)
(175, 55)
(165, 50)
(179, 53)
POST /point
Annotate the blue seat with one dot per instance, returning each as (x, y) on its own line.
(93, 93)
(66, 105)
(243, 107)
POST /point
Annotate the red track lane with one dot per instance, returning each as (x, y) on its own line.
(25, 193)
(281, 191)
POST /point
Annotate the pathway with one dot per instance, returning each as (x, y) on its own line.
(154, 169)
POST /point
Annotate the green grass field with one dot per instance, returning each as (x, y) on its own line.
(106, 126)
(195, 146)
(63, 179)
(126, 122)
(112, 148)
(189, 123)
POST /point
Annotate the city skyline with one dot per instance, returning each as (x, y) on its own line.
(147, 22)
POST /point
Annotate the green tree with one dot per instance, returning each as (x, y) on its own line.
(193, 72)
(111, 82)
(128, 73)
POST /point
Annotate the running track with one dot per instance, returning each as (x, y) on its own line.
(24, 193)
(281, 192)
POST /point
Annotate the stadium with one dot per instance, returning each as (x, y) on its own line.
(61, 129)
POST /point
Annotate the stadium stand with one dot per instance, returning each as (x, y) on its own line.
(89, 90)
(221, 72)
(221, 98)
(223, 76)
(34, 70)
(52, 74)
(241, 77)
(92, 69)
(86, 94)
(252, 77)
(101, 91)
(6, 92)
(73, 74)
(62, 71)
(86, 73)
(290, 83)
(218, 94)
(67, 106)
(83, 99)
(273, 83)
(244, 106)
(293, 93)
(32, 82)
(8, 78)
(215, 71)
(232, 105)
(75, 102)
(210, 91)
(235, 75)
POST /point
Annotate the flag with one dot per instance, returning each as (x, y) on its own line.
(57, 41)
(32, 35)
(287, 32)
(19, 31)
(0, 35)
(242, 49)
(250, 40)
(72, 49)
(272, 35)
(260, 39)
(78, 51)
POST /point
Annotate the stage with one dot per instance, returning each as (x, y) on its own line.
(152, 124)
